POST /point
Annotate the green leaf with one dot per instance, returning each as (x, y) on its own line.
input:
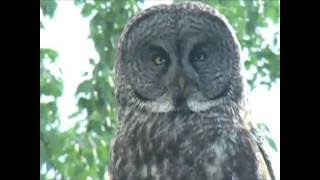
(90, 158)
(50, 53)
(247, 64)
(41, 25)
(95, 122)
(272, 143)
(78, 169)
(43, 154)
(83, 103)
(275, 39)
(48, 7)
(272, 10)
(55, 144)
(85, 74)
(91, 61)
(85, 87)
(42, 56)
(263, 126)
(52, 89)
(75, 114)
(87, 10)
(251, 25)
(79, 2)
(95, 116)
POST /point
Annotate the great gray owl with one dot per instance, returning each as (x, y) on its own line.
(181, 100)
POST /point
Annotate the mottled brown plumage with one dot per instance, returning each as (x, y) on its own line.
(181, 100)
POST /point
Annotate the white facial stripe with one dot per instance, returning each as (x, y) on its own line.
(198, 106)
(160, 106)
(164, 107)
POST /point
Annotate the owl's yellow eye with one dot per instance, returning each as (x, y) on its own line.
(159, 60)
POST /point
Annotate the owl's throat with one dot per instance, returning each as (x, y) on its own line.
(180, 103)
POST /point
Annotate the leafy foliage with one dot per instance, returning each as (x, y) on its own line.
(96, 95)
(51, 87)
(84, 150)
(48, 8)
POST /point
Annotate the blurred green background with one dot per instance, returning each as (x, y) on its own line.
(83, 151)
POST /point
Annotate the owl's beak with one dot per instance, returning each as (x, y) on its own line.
(178, 83)
(181, 83)
(179, 93)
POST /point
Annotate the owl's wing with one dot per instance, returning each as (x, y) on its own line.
(260, 142)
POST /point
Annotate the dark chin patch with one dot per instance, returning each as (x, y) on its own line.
(180, 104)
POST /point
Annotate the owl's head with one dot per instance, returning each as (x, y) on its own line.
(179, 57)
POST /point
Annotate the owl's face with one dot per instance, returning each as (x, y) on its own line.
(179, 59)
